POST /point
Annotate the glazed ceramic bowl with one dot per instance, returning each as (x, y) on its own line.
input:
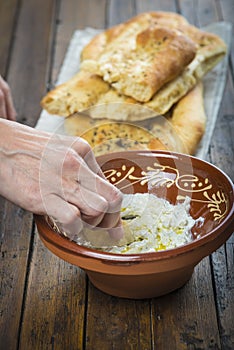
(168, 175)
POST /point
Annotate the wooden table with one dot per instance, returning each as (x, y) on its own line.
(46, 303)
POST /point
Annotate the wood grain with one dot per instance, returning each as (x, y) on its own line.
(15, 235)
(156, 5)
(47, 303)
(220, 155)
(199, 13)
(223, 259)
(55, 303)
(223, 267)
(227, 11)
(63, 311)
(26, 74)
(186, 319)
(114, 323)
(29, 56)
(15, 223)
(119, 11)
(56, 290)
(74, 15)
(8, 13)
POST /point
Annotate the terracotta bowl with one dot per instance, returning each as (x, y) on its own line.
(172, 176)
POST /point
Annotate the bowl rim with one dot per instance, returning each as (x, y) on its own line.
(71, 247)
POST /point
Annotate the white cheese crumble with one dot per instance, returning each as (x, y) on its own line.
(156, 224)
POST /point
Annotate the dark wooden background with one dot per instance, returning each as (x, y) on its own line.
(46, 303)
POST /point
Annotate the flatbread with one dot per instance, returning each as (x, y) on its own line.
(189, 118)
(78, 94)
(113, 136)
(180, 130)
(87, 90)
(158, 55)
(210, 50)
(124, 31)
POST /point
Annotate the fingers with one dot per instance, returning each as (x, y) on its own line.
(66, 214)
(95, 209)
(82, 147)
(83, 185)
(91, 205)
(96, 183)
(111, 195)
(7, 109)
(71, 220)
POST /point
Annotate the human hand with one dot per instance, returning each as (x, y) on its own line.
(7, 109)
(58, 176)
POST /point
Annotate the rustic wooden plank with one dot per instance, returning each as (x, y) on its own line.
(29, 57)
(119, 11)
(223, 270)
(227, 105)
(156, 5)
(186, 319)
(60, 301)
(16, 225)
(199, 12)
(55, 303)
(8, 12)
(54, 300)
(227, 9)
(74, 15)
(221, 154)
(26, 74)
(15, 232)
(114, 323)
